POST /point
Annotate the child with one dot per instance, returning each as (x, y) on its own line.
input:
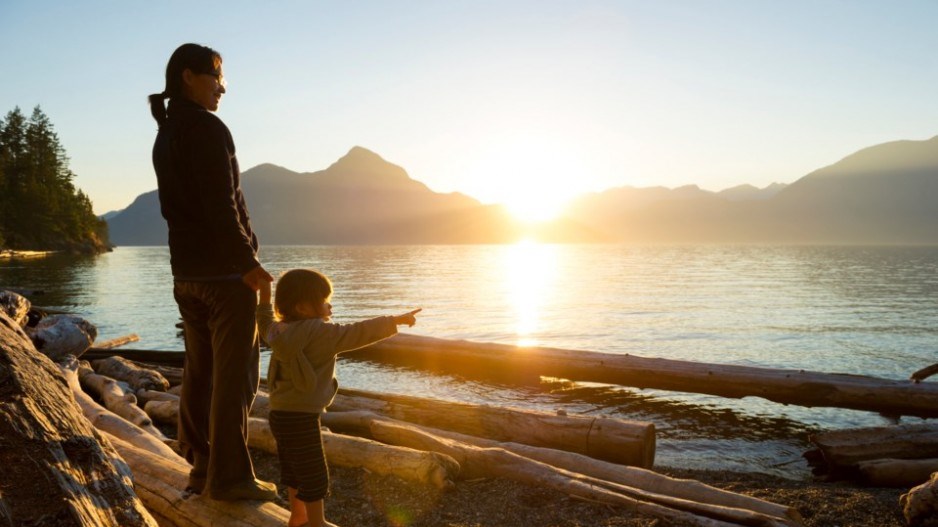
(302, 379)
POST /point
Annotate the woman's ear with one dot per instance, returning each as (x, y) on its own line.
(188, 77)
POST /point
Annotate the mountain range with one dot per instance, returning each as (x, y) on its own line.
(884, 194)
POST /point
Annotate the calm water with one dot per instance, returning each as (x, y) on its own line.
(871, 311)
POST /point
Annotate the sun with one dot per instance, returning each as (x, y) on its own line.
(534, 178)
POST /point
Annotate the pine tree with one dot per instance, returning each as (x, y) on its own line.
(40, 208)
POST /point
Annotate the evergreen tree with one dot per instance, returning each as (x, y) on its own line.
(40, 208)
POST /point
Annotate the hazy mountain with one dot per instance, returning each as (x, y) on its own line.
(359, 199)
(882, 194)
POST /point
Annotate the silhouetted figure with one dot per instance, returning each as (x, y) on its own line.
(213, 254)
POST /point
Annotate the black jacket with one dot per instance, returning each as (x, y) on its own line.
(210, 235)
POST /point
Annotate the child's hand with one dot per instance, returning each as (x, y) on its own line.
(407, 318)
(265, 292)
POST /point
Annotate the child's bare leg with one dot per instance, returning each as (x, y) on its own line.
(298, 511)
(316, 512)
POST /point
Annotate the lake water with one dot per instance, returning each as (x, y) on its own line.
(863, 310)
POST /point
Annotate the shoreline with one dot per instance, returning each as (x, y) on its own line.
(14, 254)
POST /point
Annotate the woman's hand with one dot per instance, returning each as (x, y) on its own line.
(256, 277)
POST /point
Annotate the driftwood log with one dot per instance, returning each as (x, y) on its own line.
(116, 342)
(160, 482)
(426, 468)
(57, 469)
(529, 364)
(920, 505)
(610, 439)
(845, 448)
(107, 421)
(897, 473)
(497, 462)
(924, 373)
(116, 399)
(138, 378)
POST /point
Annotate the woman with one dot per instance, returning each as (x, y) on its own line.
(213, 255)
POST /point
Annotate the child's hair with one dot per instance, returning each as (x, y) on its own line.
(297, 286)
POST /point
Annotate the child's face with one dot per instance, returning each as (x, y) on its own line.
(314, 309)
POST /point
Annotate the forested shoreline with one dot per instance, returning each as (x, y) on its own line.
(40, 207)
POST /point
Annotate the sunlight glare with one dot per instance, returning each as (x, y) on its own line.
(533, 177)
(530, 268)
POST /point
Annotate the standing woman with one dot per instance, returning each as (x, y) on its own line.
(213, 255)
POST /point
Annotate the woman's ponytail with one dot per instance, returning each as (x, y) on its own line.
(157, 108)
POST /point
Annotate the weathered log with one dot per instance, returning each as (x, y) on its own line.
(897, 473)
(924, 373)
(138, 378)
(528, 364)
(116, 342)
(920, 504)
(57, 336)
(845, 448)
(57, 469)
(425, 468)
(160, 483)
(172, 374)
(164, 411)
(15, 306)
(606, 438)
(116, 399)
(497, 462)
(145, 396)
(107, 421)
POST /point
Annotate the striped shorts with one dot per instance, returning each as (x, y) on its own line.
(299, 447)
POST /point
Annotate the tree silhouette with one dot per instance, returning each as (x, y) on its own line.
(40, 208)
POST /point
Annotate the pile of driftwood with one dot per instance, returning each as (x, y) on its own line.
(137, 477)
(127, 473)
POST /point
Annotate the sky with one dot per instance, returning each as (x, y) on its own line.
(523, 102)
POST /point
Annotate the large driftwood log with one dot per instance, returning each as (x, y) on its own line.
(58, 336)
(529, 364)
(107, 421)
(609, 439)
(116, 399)
(897, 473)
(845, 448)
(798, 387)
(57, 470)
(138, 378)
(497, 462)
(145, 396)
(160, 483)
(920, 505)
(426, 468)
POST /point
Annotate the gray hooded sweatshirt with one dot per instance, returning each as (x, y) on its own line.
(301, 377)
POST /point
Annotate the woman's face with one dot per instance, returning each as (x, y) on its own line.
(205, 89)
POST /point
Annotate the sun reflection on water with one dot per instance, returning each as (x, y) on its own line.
(530, 274)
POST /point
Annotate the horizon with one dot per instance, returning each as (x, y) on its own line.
(531, 102)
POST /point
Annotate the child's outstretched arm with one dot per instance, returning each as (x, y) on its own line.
(408, 318)
(265, 292)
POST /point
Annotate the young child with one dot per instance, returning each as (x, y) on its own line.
(302, 379)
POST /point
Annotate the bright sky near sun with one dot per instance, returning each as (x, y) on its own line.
(521, 102)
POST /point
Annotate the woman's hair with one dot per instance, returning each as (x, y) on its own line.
(195, 57)
(298, 286)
